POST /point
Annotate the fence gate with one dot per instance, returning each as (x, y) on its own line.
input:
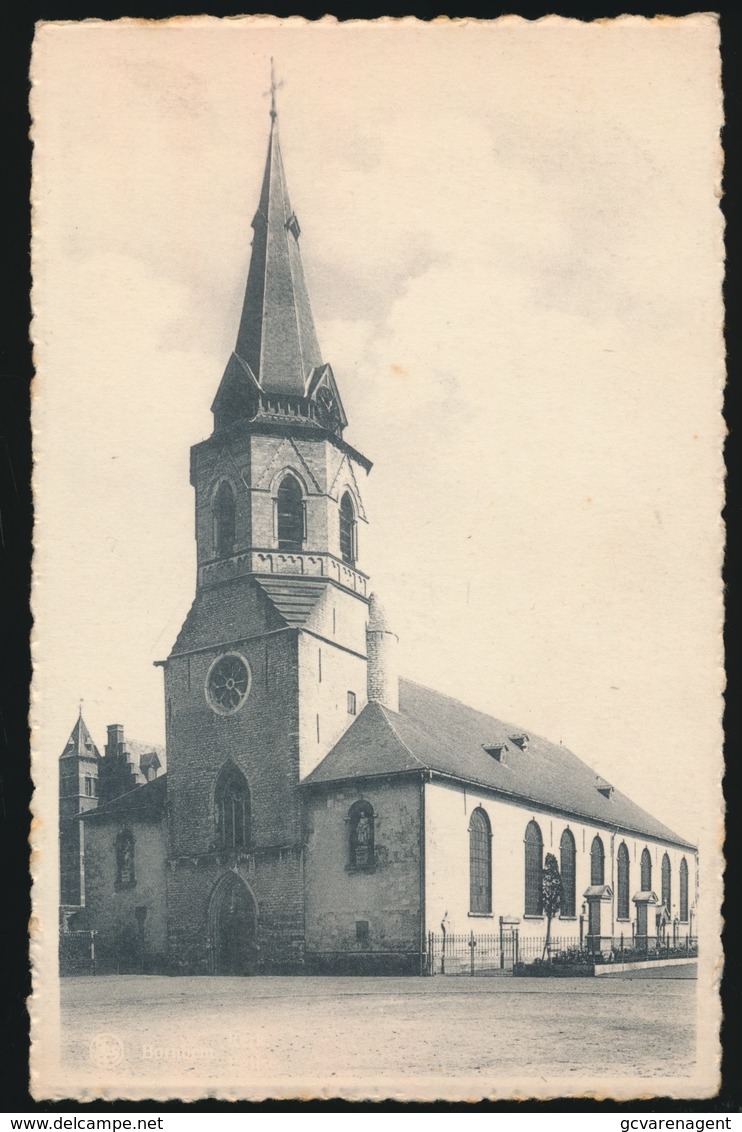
(465, 953)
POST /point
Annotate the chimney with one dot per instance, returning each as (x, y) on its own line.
(115, 738)
(381, 647)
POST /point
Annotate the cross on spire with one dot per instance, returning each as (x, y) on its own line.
(273, 88)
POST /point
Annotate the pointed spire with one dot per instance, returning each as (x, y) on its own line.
(276, 337)
(80, 742)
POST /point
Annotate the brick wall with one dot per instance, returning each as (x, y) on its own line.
(261, 739)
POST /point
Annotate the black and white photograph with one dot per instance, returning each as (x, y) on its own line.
(377, 594)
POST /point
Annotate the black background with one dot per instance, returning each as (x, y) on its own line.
(16, 370)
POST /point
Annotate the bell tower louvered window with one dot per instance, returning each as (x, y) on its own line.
(347, 530)
(290, 515)
(224, 521)
(480, 864)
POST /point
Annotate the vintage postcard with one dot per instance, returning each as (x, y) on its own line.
(378, 475)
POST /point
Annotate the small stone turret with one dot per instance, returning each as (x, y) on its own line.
(381, 647)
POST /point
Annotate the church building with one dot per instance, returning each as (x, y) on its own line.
(319, 813)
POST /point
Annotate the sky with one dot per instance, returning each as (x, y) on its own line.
(512, 244)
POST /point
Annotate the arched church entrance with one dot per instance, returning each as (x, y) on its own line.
(233, 923)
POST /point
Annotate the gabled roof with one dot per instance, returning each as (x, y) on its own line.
(146, 801)
(436, 733)
(143, 751)
(80, 742)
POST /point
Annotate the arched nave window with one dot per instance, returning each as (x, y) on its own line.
(622, 882)
(666, 882)
(480, 863)
(646, 871)
(684, 891)
(567, 858)
(534, 861)
(597, 862)
(290, 515)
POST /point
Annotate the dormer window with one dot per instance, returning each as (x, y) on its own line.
(292, 226)
(497, 751)
(604, 788)
(520, 741)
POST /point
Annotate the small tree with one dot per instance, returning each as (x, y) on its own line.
(552, 891)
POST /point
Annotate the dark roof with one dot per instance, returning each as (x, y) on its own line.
(276, 337)
(437, 733)
(80, 742)
(146, 801)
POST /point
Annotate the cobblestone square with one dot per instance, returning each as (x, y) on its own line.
(128, 1035)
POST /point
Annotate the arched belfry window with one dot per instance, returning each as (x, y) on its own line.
(646, 871)
(290, 522)
(224, 520)
(666, 882)
(361, 821)
(567, 869)
(534, 861)
(232, 809)
(622, 882)
(125, 875)
(347, 530)
(597, 862)
(480, 864)
(684, 891)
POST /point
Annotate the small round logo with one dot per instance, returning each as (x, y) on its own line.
(106, 1050)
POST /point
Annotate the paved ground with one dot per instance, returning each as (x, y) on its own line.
(274, 1036)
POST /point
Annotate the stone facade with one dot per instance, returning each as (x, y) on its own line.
(365, 918)
(129, 918)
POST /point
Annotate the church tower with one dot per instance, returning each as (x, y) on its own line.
(269, 668)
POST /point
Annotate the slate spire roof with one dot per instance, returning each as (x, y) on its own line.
(80, 741)
(433, 733)
(276, 337)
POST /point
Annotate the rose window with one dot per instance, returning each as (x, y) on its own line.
(228, 684)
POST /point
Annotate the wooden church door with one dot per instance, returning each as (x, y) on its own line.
(234, 931)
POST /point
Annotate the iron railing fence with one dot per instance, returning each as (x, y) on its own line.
(470, 953)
